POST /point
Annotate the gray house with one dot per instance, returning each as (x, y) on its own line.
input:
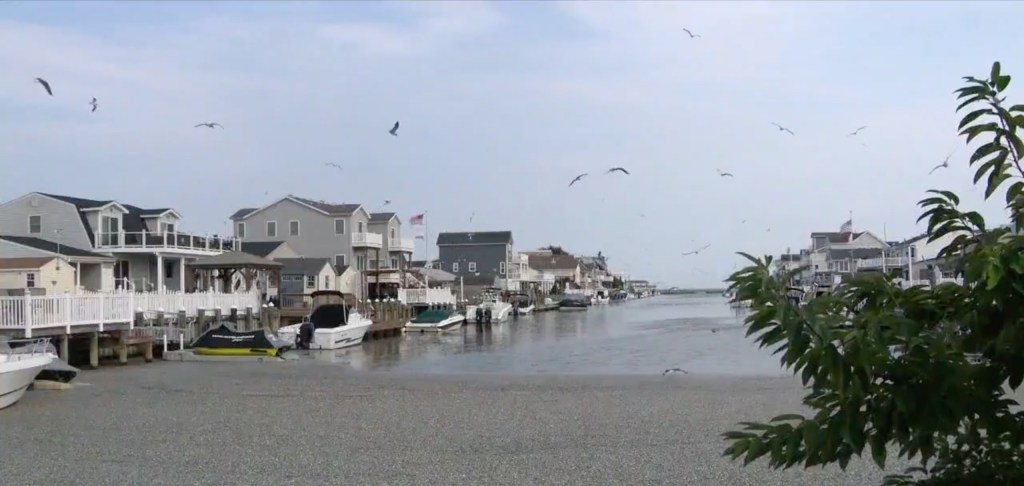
(111, 245)
(478, 257)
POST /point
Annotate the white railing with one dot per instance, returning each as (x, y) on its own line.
(426, 296)
(32, 312)
(892, 262)
(174, 302)
(401, 244)
(372, 240)
(165, 241)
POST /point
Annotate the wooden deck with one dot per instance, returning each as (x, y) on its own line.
(384, 329)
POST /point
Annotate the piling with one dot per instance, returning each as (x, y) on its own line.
(249, 323)
(122, 348)
(94, 350)
(218, 314)
(64, 338)
(200, 320)
(233, 315)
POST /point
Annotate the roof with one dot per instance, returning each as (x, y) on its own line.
(24, 263)
(329, 208)
(475, 238)
(241, 213)
(434, 274)
(553, 262)
(260, 248)
(303, 266)
(417, 263)
(234, 259)
(341, 269)
(910, 240)
(855, 253)
(836, 237)
(381, 217)
(50, 246)
(131, 222)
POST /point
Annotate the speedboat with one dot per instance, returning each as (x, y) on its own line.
(490, 309)
(574, 304)
(225, 340)
(18, 369)
(601, 297)
(333, 324)
(58, 370)
(522, 304)
(430, 319)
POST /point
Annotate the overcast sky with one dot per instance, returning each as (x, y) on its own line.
(501, 105)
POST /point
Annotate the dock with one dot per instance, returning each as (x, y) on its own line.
(545, 307)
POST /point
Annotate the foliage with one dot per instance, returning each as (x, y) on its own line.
(618, 283)
(555, 250)
(919, 372)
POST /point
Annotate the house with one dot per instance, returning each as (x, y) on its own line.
(315, 229)
(907, 259)
(595, 271)
(833, 255)
(480, 258)
(112, 245)
(38, 275)
(563, 269)
(302, 276)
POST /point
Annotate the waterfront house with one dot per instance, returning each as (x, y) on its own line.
(302, 276)
(563, 269)
(112, 245)
(480, 259)
(37, 275)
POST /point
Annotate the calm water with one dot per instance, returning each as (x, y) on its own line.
(639, 336)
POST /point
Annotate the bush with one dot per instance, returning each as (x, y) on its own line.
(920, 371)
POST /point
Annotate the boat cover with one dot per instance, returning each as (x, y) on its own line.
(225, 336)
(432, 316)
(328, 316)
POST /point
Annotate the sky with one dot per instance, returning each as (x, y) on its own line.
(501, 104)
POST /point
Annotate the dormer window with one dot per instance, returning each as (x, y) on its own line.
(169, 228)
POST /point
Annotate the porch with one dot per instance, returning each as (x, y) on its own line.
(152, 272)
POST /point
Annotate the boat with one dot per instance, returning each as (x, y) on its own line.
(490, 309)
(19, 367)
(435, 319)
(58, 370)
(574, 304)
(619, 295)
(522, 304)
(601, 297)
(225, 340)
(333, 324)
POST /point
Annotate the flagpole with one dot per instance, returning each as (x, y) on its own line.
(426, 249)
(885, 253)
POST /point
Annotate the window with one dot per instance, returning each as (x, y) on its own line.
(168, 269)
(30, 280)
(110, 230)
(35, 226)
(472, 267)
(293, 228)
(169, 228)
(240, 230)
(271, 229)
(361, 262)
(913, 252)
(392, 232)
(327, 282)
(501, 268)
(361, 229)
(311, 281)
(394, 263)
(339, 260)
(455, 267)
(339, 226)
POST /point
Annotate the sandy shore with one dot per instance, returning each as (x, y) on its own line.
(304, 423)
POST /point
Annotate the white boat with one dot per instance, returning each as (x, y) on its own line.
(600, 297)
(436, 320)
(489, 301)
(331, 325)
(522, 304)
(18, 369)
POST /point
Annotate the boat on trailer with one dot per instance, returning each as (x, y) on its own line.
(18, 369)
(333, 324)
(431, 318)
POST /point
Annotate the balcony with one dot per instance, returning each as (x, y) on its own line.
(367, 240)
(401, 244)
(891, 262)
(143, 242)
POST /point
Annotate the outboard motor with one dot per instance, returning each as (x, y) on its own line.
(515, 311)
(479, 315)
(487, 316)
(304, 337)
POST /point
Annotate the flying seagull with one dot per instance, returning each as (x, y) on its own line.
(94, 104)
(618, 169)
(943, 165)
(209, 125)
(783, 129)
(691, 34)
(471, 215)
(724, 174)
(673, 370)
(46, 86)
(857, 131)
(332, 164)
(387, 201)
(578, 178)
(695, 252)
(394, 130)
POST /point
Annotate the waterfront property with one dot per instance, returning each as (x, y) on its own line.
(479, 259)
(46, 274)
(110, 244)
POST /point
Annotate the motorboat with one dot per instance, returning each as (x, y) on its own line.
(19, 368)
(226, 340)
(600, 297)
(58, 370)
(619, 295)
(435, 319)
(333, 324)
(522, 304)
(579, 303)
(490, 309)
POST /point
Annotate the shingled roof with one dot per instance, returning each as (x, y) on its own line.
(381, 217)
(475, 238)
(329, 208)
(260, 248)
(836, 237)
(553, 262)
(304, 266)
(131, 222)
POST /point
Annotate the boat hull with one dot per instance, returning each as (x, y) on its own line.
(570, 309)
(17, 374)
(341, 337)
(449, 324)
(237, 351)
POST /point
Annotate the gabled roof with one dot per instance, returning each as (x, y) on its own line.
(552, 262)
(475, 238)
(341, 269)
(304, 266)
(235, 259)
(260, 248)
(241, 213)
(25, 263)
(50, 246)
(326, 208)
(382, 217)
(434, 274)
(131, 220)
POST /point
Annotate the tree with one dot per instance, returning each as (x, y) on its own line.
(919, 371)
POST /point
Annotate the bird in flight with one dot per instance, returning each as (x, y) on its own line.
(332, 164)
(617, 169)
(394, 130)
(471, 215)
(724, 174)
(783, 129)
(743, 222)
(697, 251)
(857, 131)
(578, 178)
(943, 165)
(94, 104)
(691, 34)
(46, 86)
(209, 125)
(673, 370)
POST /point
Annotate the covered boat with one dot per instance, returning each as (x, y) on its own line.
(435, 319)
(574, 303)
(224, 340)
(522, 304)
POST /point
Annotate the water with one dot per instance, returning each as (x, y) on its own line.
(639, 336)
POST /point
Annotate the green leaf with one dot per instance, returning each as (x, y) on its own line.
(788, 416)
(1002, 82)
(878, 451)
(1017, 108)
(985, 150)
(974, 115)
(992, 275)
(995, 71)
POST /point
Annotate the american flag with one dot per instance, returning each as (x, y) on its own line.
(416, 220)
(847, 227)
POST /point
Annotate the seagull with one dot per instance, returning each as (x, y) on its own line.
(332, 164)
(619, 169)
(943, 165)
(695, 252)
(471, 215)
(46, 86)
(94, 104)
(394, 130)
(581, 176)
(857, 131)
(743, 222)
(673, 370)
(724, 174)
(387, 201)
(209, 125)
(692, 35)
(783, 129)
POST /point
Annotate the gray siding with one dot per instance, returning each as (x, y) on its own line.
(56, 215)
(12, 250)
(486, 257)
(316, 230)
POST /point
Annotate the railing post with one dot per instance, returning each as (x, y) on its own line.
(67, 312)
(131, 305)
(102, 314)
(28, 314)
